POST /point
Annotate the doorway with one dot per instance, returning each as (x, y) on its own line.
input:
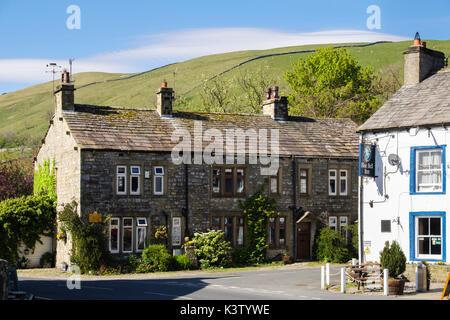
(304, 241)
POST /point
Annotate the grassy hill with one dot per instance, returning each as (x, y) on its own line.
(24, 114)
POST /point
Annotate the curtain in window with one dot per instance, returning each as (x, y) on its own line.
(429, 171)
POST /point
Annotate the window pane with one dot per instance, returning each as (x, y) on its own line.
(216, 185)
(228, 185)
(303, 173)
(435, 226)
(158, 184)
(128, 222)
(303, 186)
(134, 184)
(424, 245)
(272, 234)
(120, 169)
(273, 185)
(216, 221)
(135, 170)
(423, 226)
(332, 173)
(159, 170)
(127, 238)
(343, 186)
(436, 245)
(240, 238)
(229, 233)
(140, 239)
(121, 184)
(114, 236)
(282, 234)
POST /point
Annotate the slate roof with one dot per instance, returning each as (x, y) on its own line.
(98, 127)
(422, 104)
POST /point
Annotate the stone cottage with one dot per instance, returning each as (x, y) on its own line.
(120, 162)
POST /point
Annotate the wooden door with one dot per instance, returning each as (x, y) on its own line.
(304, 240)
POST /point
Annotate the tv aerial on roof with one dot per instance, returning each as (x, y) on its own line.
(394, 159)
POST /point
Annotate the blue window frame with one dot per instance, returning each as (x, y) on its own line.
(423, 238)
(431, 172)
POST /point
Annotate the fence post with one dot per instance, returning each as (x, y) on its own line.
(322, 277)
(328, 274)
(386, 282)
(343, 282)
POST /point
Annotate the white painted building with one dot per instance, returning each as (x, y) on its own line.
(408, 199)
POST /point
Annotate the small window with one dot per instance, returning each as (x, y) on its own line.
(271, 232)
(332, 221)
(274, 183)
(277, 232)
(228, 182)
(343, 182)
(216, 180)
(343, 222)
(135, 180)
(158, 181)
(114, 235)
(121, 180)
(228, 228)
(332, 182)
(282, 230)
(385, 225)
(240, 235)
(304, 181)
(141, 234)
(240, 181)
(216, 224)
(127, 240)
(429, 170)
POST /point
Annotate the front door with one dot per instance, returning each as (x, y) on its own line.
(304, 240)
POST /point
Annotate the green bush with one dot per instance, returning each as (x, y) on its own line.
(89, 240)
(46, 260)
(211, 249)
(393, 259)
(157, 256)
(183, 262)
(24, 220)
(330, 246)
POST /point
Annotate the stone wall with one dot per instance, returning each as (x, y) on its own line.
(3, 280)
(439, 273)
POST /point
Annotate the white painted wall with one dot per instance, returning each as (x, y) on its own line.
(35, 257)
(396, 187)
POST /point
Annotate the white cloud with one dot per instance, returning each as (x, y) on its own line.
(160, 49)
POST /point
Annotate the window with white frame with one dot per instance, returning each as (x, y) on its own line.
(127, 235)
(135, 180)
(343, 182)
(429, 170)
(121, 183)
(428, 237)
(158, 181)
(114, 233)
(332, 222)
(332, 182)
(141, 234)
(343, 222)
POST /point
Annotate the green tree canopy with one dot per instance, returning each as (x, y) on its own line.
(331, 84)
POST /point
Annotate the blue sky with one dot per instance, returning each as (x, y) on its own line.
(131, 36)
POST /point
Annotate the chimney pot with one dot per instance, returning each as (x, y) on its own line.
(65, 76)
(275, 92)
(164, 84)
(164, 98)
(268, 93)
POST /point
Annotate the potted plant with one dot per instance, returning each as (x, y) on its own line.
(393, 259)
(286, 258)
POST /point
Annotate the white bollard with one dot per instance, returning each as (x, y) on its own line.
(417, 279)
(343, 280)
(322, 277)
(386, 282)
(328, 274)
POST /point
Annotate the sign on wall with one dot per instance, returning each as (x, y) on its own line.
(176, 231)
(367, 160)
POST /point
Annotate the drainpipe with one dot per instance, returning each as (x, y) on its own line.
(361, 206)
(186, 191)
(294, 207)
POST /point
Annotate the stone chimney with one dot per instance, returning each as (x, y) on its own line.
(421, 62)
(275, 106)
(64, 94)
(164, 98)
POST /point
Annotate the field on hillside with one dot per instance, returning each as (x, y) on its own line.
(25, 114)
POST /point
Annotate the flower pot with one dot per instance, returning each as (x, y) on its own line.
(395, 286)
(286, 259)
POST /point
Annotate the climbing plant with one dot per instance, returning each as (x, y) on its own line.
(89, 240)
(257, 209)
(45, 179)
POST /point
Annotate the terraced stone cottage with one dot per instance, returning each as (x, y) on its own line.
(118, 162)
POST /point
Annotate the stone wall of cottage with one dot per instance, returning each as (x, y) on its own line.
(59, 144)
(98, 192)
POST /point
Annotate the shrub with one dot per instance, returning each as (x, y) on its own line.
(157, 256)
(211, 249)
(331, 247)
(89, 240)
(393, 259)
(183, 262)
(46, 260)
(16, 177)
(24, 220)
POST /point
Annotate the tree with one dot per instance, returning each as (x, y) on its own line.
(16, 178)
(330, 83)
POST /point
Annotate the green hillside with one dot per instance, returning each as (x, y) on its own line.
(24, 114)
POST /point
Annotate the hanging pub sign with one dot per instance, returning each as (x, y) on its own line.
(367, 160)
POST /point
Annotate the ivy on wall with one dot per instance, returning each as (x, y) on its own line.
(45, 179)
(257, 209)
